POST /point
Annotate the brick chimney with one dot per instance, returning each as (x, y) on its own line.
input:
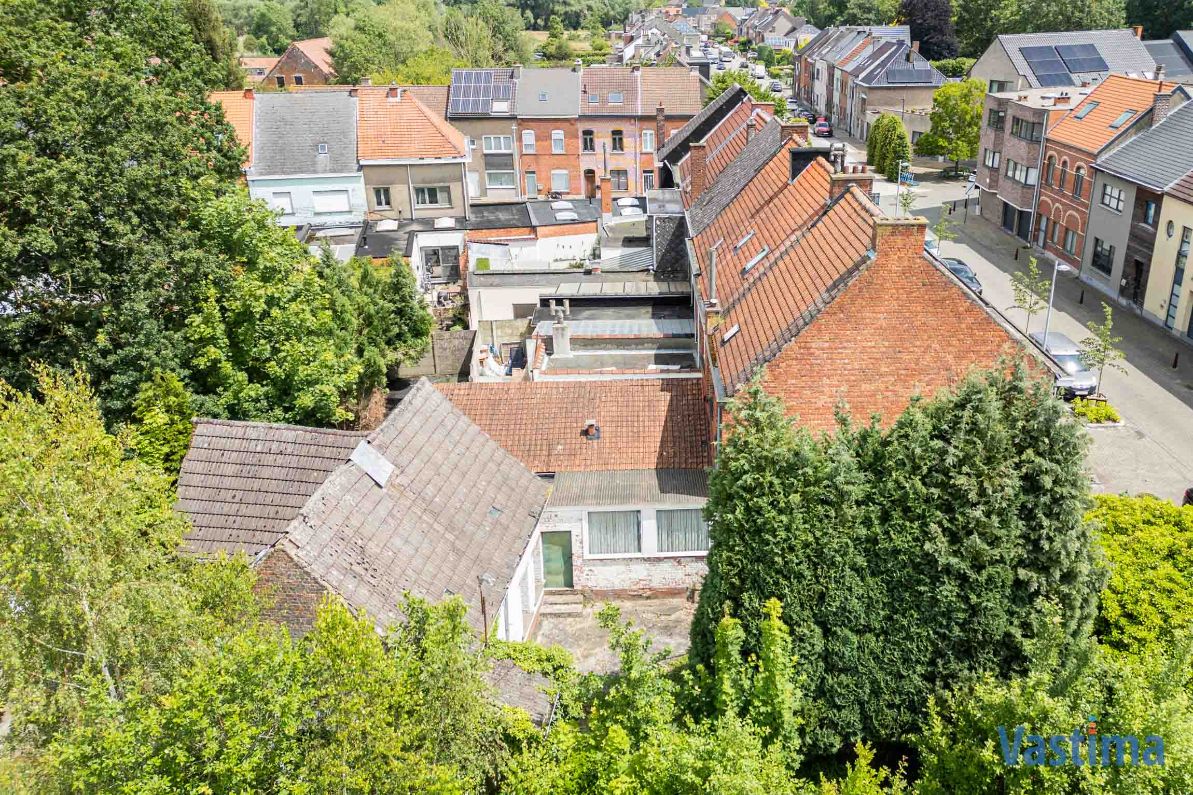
(1161, 106)
(750, 128)
(853, 175)
(698, 166)
(394, 92)
(1138, 31)
(795, 131)
(248, 93)
(899, 237)
(606, 195)
(366, 81)
(660, 126)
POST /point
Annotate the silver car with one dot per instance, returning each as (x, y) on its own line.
(1077, 380)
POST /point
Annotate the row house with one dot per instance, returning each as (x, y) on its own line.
(1140, 223)
(824, 68)
(767, 23)
(559, 132)
(1011, 147)
(1114, 112)
(888, 76)
(1023, 61)
(304, 63)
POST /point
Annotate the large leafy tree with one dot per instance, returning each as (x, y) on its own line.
(956, 122)
(273, 26)
(95, 604)
(723, 81)
(961, 521)
(1160, 19)
(931, 24)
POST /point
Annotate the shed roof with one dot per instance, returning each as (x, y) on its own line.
(676, 488)
(243, 482)
(644, 424)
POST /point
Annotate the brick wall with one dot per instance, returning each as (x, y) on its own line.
(543, 160)
(1060, 204)
(291, 595)
(294, 62)
(902, 328)
(448, 355)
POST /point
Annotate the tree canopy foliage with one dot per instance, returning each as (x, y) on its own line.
(931, 23)
(956, 121)
(987, 477)
(722, 81)
(978, 22)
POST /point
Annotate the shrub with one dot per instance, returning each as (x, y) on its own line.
(1095, 411)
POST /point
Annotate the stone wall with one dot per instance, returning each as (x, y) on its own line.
(449, 355)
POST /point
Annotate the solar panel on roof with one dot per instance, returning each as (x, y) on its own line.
(1095, 64)
(1047, 65)
(1031, 53)
(1068, 51)
(1049, 79)
(909, 74)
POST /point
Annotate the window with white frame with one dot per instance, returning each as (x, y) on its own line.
(331, 201)
(498, 144)
(282, 201)
(560, 181)
(1113, 198)
(557, 142)
(681, 530)
(648, 140)
(615, 98)
(499, 179)
(620, 179)
(432, 196)
(614, 533)
(381, 198)
(991, 158)
(528, 142)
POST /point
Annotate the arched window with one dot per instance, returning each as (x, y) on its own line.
(1049, 170)
(557, 142)
(1078, 181)
(1064, 174)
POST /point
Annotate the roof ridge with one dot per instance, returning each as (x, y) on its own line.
(275, 425)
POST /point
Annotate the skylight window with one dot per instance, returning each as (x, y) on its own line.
(616, 97)
(737, 246)
(594, 99)
(1085, 111)
(321, 149)
(728, 335)
(1122, 119)
(542, 96)
(755, 260)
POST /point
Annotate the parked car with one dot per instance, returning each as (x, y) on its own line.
(964, 273)
(1077, 381)
(822, 128)
(807, 116)
(752, 54)
(776, 86)
(727, 56)
(720, 66)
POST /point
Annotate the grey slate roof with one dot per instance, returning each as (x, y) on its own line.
(680, 488)
(697, 127)
(1158, 157)
(455, 507)
(289, 127)
(242, 482)
(1122, 51)
(1176, 54)
(875, 69)
(734, 177)
(561, 88)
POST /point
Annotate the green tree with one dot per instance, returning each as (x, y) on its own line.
(898, 150)
(722, 32)
(378, 38)
(956, 122)
(722, 81)
(1030, 289)
(960, 521)
(162, 430)
(1159, 19)
(954, 67)
(431, 67)
(273, 26)
(862, 778)
(878, 141)
(1147, 604)
(97, 605)
(1100, 349)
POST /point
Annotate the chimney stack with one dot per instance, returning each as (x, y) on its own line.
(698, 165)
(1138, 31)
(248, 93)
(1159, 71)
(899, 237)
(577, 65)
(794, 131)
(1161, 106)
(750, 128)
(517, 70)
(660, 126)
(1061, 100)
(915, 47)
(855, 175)
(561, 337)
(606, 196)
(394, 92)
(366, 81)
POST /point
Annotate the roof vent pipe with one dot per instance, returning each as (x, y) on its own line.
(712, 274)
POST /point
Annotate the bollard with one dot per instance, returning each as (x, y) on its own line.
(1016, 253)
(1176, 358)
(1081, 298)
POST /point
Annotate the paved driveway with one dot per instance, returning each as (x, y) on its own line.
(1153, 450)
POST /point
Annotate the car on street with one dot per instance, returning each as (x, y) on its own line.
(964, 273)
(806, 115)
(727, 56)
(720, 66)
(1078, 381)
(751, 54)
(822, 129)
(776, 86)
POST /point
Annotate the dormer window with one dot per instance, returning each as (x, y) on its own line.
(542, 96)
(321, 149)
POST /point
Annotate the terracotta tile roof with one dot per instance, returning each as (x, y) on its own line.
(644, 424)
(238, 110)
(680, 91)
(1182, 189)
(773, 303)
(1114, 96)
(726, 141)
(319, 51)
(694, 129)
(433, 97)
(600, 82)
(401, 127)
(242, 483)
(265, 62)
(901, 328)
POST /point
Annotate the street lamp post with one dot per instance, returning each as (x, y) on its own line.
(899, 185)
(1057, 267)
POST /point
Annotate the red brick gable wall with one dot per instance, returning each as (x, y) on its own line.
(290, 593)
(295, 62)
(903, 328)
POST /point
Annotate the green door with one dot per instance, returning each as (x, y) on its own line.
(557, 560)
